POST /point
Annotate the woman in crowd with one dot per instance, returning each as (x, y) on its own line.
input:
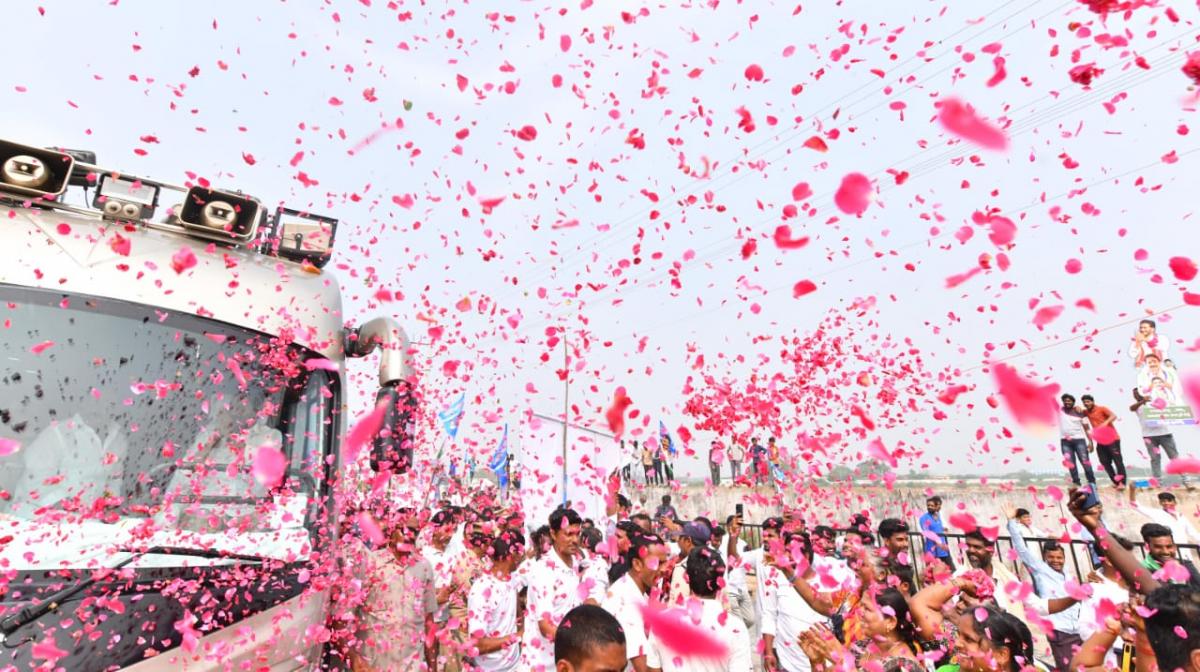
(889, 643)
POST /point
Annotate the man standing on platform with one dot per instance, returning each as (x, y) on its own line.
(1108, 442)
(935, 532)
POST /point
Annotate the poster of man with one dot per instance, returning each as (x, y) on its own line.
(1158, 381)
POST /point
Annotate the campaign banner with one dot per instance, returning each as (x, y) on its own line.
(1158, 380)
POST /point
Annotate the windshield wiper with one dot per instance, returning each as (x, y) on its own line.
(33, 612)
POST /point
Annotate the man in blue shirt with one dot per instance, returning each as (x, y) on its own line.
(932, 527)
(758, 461)
(1050, 581)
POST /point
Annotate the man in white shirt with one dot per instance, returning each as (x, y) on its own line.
(834, 573)
(694, 535)
(553, 591)
(785, 612)
(441, 557)
(593, 566)
(1024, 522)
(753, 561)
(1108, 585)
(1076, 440)
(647, 559)
(492, 608)
(1157, 437)
(737, 589)
(704, 571)
(736, 456)
(1168, 516)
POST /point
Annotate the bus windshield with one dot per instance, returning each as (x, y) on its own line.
(125, 423)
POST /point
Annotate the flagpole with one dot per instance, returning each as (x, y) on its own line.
(566, 413)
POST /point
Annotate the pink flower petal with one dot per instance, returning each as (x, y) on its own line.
(1184, 465)
(1183, 268)
(615, 415)
(1046, 315)
(960, 119)
(1105, 434)
(364, 431)
(370, 529)
(269, 465)
(8, 446)
(963, 521)
(39, 348)
(803, 288)
(1030, 404)
(855, 194)
(320, 363)
(1191, 388)
(784, 240)
(47, 650)
(676, 632)
(183, 259)
(1002, 230)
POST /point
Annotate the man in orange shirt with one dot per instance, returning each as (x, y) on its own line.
(1108, 443)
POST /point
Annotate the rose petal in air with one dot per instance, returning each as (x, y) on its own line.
(269, 465)
(1031, 404)
(1002, 230)
(676, 632)
(370, 529)
(854, 194)
(963, 521)
(960, 119)
(1184, 465)
(1183, 268)
(1045, 315)
(802, 288)
(1104, 435)
(615, 415)
(364, 431)
(784, 240)
(8, 446)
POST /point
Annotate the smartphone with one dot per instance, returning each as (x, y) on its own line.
(739, 510)
(1092, 498)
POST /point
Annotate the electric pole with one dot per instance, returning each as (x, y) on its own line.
(566, 413)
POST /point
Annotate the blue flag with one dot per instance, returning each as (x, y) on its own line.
(499, 461)
(662, 431)
(450, 417)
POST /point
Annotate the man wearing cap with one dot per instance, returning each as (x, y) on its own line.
(694, 534)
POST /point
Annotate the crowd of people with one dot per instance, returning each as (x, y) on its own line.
(753, 464)
(472, 589)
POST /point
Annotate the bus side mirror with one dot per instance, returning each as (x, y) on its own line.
(392, 450)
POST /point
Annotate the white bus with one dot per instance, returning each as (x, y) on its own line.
(172, 399)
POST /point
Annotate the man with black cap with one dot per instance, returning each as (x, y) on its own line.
(695, 534)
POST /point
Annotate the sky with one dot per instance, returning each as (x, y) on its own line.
(509, 169)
